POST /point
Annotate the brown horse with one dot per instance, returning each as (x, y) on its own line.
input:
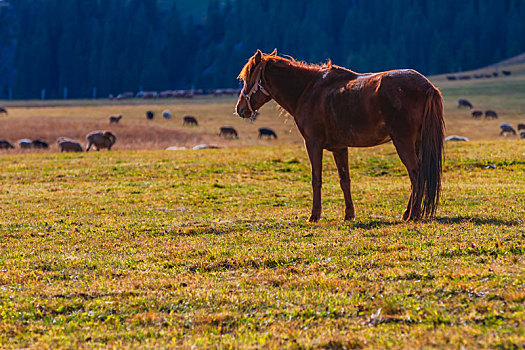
(335, 108)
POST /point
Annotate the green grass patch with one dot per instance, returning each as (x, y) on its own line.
(211, 248)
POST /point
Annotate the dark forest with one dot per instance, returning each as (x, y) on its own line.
(132, 45)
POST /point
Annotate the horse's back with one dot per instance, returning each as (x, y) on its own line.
(407, 82)
(391, 85)
(364, 110)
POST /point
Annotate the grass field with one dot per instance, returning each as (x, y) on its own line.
(141, 247)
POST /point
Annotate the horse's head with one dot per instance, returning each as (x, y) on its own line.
(253, 94)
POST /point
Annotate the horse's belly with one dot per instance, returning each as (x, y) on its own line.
(355, 135)
(369, 142)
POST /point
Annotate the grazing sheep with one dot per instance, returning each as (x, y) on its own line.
(149, 115)
(506, 128)
(25, 143)
(189, 120)
(114, 119)
(268, 132)
(100, 139)
(40, 144)
(456, 138)
(491, 114)
(166, 114)
(522, 134)
(521, 126)
(67, 145)
(4, 144)
(506, 72)
(3, 109)
(464, 103)
(228, 131)
(477, 114)
(204, 146)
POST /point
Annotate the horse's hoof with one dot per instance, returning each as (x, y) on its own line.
(349, 218)
(314, 218)
(407, 216)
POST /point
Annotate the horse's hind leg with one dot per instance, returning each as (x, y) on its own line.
(341, 160)
(407, 151)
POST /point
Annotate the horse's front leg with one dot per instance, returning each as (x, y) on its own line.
(341, 160)
(315, 154)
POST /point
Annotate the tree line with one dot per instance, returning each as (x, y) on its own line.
(103, 47)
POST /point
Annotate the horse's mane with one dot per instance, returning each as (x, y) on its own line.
(250, 65)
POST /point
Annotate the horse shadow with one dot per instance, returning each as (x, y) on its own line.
(200, 229)
(374, 223)
(446, 220)
(476, 220)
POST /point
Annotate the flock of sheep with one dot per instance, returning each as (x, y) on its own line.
(104, 139)
(97, 139)
(505, 128)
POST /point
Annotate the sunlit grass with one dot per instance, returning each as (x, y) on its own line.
(212, 248)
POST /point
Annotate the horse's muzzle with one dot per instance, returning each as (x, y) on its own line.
(243, 112)
(240, 111)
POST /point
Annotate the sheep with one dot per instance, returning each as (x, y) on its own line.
(4, 144)
(114, 119)
(491, 114)
(456, 138)
(100, 139)
(25, 143)
(268, 132)
(67, 145)
(477, 114)
(166, 114)
(189, 120)
(228, 131)
(464, 103)
(506, 128)
(40, 144)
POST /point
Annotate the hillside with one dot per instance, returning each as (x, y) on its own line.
(509, 62)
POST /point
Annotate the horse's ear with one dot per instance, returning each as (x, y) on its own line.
(258, 56)
(274, 52)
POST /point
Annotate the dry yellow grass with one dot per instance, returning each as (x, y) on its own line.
(52, 119)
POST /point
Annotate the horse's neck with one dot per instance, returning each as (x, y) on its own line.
(288, 83)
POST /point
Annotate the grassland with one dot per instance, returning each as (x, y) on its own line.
(141, 247)
(156, 248)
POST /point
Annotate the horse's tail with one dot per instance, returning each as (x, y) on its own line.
(431, 152)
